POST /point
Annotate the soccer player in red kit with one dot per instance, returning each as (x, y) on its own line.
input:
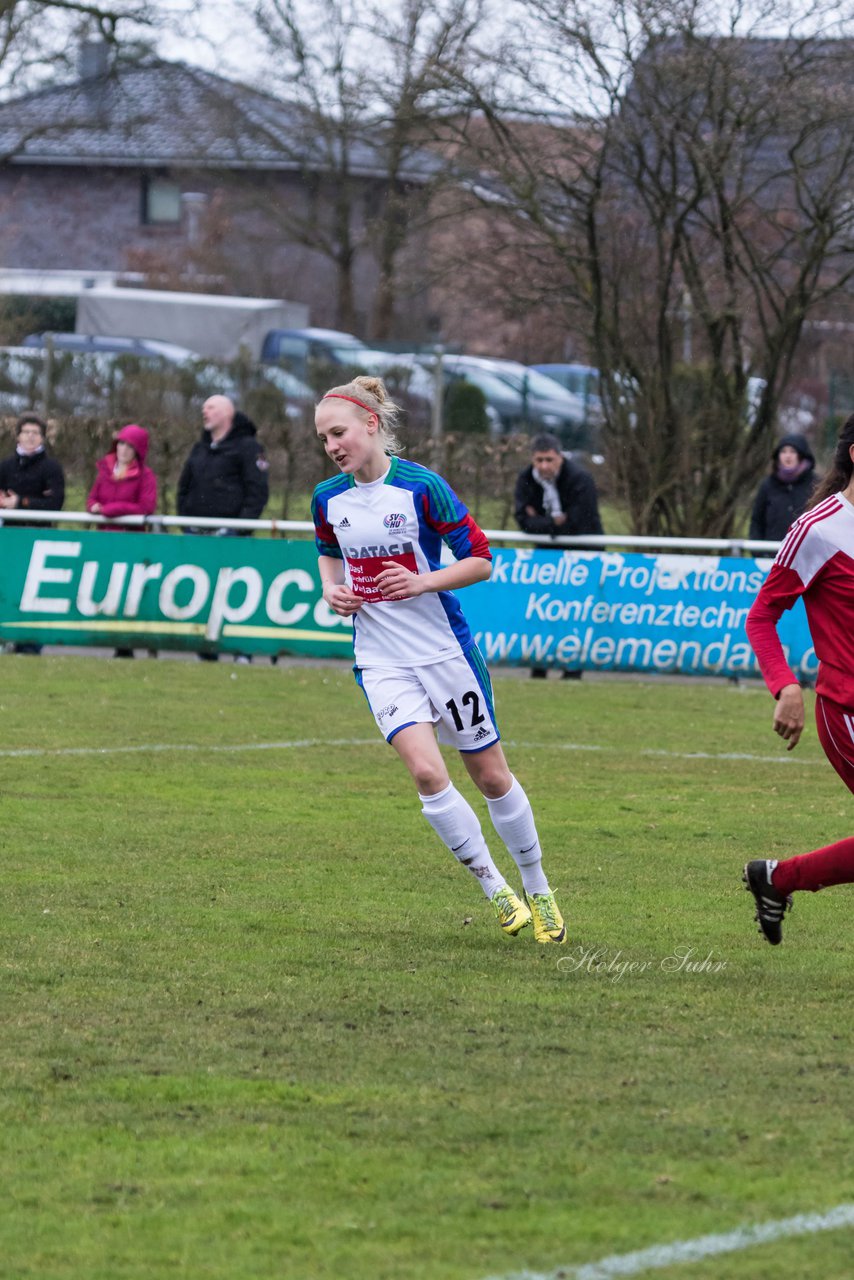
(815, 561)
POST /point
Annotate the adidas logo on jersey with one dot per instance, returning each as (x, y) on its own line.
(345, 524)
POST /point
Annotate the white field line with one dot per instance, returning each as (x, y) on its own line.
(296, 744)
(687, 1251)
(198, 747)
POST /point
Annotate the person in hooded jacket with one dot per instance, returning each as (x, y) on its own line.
(783, 495)
(31, 480)
(124, 485)
(225, 475)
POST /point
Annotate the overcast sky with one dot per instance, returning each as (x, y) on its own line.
(215, 34)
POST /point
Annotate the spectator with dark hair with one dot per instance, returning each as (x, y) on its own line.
(784, 494)
(31, 480)
(557, 497)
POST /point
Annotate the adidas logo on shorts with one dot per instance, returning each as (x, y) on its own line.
(481, 734)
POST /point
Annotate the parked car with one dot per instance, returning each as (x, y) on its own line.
(30, 378)
(91, 344)
(21, 380)
(316, 353)
(582, 380)
(110, 377)
(296, 349)
(519, 398)
(281, 390)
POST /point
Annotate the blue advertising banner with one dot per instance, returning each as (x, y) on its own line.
(609, 611)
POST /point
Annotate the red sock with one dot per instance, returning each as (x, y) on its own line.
(834, 864)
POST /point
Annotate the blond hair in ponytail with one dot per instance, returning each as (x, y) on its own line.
(369, 395)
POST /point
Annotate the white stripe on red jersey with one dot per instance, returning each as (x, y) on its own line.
(799, 530)
(816, 562)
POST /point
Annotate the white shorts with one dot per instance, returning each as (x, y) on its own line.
(455, 694)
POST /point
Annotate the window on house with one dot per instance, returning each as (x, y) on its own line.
(161, 202)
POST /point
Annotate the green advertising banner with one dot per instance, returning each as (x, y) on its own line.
(165, 591)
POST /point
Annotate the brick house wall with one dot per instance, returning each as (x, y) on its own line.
(76, 217)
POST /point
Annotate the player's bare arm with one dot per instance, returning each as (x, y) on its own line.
(340, 598)
(789, 714)
(396, 582)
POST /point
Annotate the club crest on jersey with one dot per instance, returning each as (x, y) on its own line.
(395, 521)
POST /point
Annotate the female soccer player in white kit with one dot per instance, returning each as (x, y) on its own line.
(379, 528)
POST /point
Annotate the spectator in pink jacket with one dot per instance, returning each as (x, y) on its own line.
(124, 485)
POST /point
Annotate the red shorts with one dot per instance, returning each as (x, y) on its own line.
(835, 726)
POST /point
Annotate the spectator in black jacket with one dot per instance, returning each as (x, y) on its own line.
(30, 480)
(784, 494)
(225, 476)
(555, 496)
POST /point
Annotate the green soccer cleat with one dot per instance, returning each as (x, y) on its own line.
(510, 912)
(548, 922)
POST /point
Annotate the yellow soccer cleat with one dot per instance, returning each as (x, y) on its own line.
(510, 912)
(548, 922)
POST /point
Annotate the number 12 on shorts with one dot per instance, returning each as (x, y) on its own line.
(469, 699)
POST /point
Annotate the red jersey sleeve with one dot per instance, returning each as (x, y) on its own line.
(779, 592)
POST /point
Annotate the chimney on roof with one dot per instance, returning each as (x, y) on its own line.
(93, 59)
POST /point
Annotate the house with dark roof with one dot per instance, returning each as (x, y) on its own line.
(153, 167)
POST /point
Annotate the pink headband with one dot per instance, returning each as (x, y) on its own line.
(336, 395)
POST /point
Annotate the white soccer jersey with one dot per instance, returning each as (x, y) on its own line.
(403, 517)
(816, 561)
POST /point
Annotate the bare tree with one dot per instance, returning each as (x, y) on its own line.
(688, 221)
(317, 75)
(427, 48)
(38, 37)
(365, 86)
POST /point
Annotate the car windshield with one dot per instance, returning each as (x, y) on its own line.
(287, 383)
(493, 388)
(345, 352)
(581, 380)
(539, 386)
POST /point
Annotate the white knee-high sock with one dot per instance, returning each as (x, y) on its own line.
(455, 823)
(513, 819)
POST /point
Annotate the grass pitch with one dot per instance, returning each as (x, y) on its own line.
(257, 1023)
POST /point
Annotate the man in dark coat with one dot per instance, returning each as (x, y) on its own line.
(555, 496)
(785, 493)
(30, 480)
(225, 475)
